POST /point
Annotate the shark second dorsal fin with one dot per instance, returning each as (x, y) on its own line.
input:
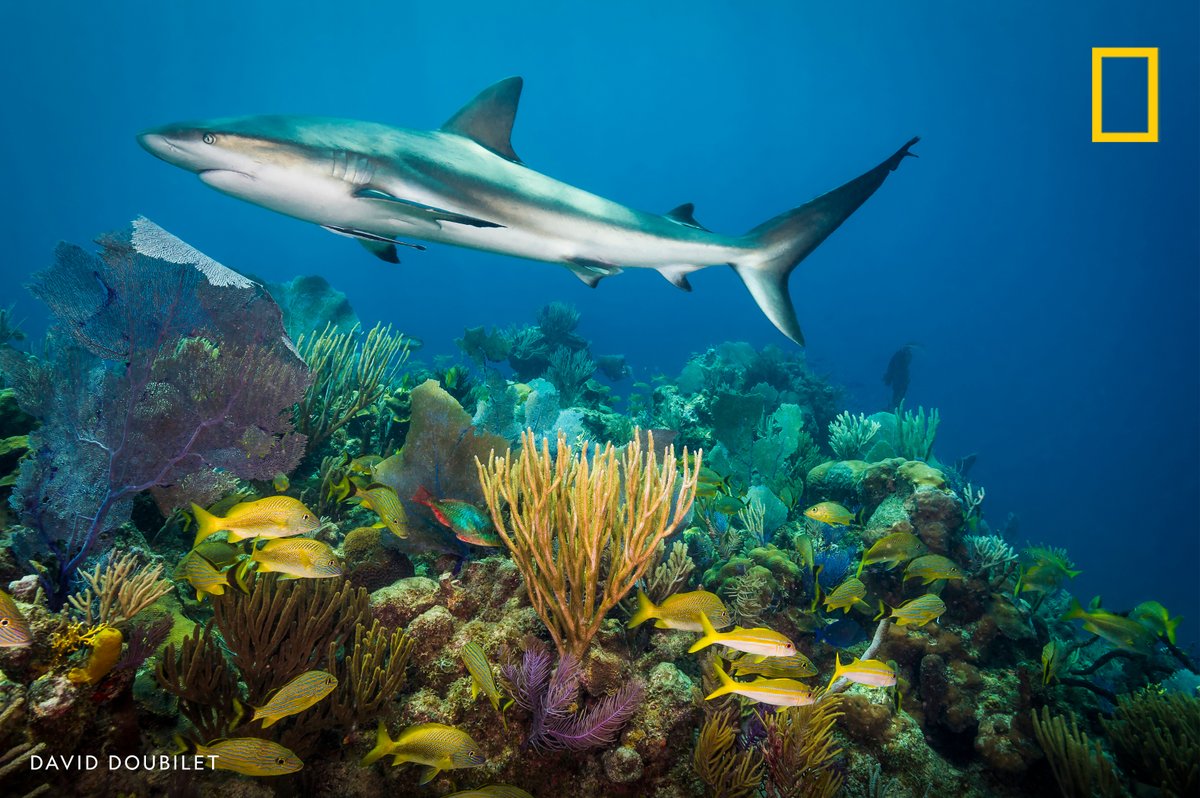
(683, 215)
(488, 119)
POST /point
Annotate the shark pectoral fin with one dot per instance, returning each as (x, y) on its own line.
(488, 119)
(420, 210)
(592, 271)
(683, 215)
(677, 276)
(381, 247)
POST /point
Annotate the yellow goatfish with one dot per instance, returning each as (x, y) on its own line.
(251, 756)
(296, 696)
(297, 558)
(776, 692)
(869, 672)
(830, 513)
(682, 611)
(273, 517)
(1116, 629)
(761, 642)
(435, 745)
(917, 612)
(846, 595)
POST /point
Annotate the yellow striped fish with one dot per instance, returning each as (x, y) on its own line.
(760, 642)
(297, 558)
(482, 680)
(796, 666)
(251, 756)
(492, 791)
(682, 611)
(892, 550)
(387, 505)
(14, 629)
(830, 513)
(917, 612)
(435, 745)
(205, 579)
(846, 595)
(776, 692)
(296, 696)
(932, 567)
(273, 517)
(870, 672)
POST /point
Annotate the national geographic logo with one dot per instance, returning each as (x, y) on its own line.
(1099, 55)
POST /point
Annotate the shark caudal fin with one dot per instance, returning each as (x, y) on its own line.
(788, 239)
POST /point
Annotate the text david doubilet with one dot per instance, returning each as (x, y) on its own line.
(115, 762)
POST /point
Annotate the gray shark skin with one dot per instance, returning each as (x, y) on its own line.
(463, 184)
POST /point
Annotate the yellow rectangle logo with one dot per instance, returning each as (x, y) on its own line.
(1151, 56)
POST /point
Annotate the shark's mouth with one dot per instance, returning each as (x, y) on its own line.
(224, 178)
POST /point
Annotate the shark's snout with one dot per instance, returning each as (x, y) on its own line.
(156, 144)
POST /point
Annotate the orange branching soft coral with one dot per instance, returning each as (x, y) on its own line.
(584, 527)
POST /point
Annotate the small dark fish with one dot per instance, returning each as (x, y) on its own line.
(842, 633)
(897, 374)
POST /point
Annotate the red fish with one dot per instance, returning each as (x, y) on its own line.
(467, 521)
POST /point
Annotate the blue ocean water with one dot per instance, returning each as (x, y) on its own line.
(1050, 283)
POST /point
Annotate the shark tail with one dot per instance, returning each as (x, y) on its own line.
(784, 241)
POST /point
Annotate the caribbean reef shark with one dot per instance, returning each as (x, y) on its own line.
(463, 184)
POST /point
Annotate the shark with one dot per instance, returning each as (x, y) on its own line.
(463, 184)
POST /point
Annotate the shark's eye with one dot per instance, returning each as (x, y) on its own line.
(209, 138)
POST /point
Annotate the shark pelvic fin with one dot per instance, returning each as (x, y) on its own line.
(683, 215)
(592, 271)
(677, 276)
(488, 119)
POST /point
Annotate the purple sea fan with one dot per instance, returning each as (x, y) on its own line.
(166, 372)
(548, 698)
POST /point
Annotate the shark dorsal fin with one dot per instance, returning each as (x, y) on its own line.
(683, 215)
(488, 119)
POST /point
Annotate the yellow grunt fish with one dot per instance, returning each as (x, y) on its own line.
(682, 611)
(932, 567)
(830, 513)
(892, 550)
(796, 666)
(297, 558)
(776, 692)
(1054, 659)
(435, 745)
(1116, 629)
(1155, 617)
(296, 696)
(281, 483)
(917, 612)
(273, 517)
(387, 505)
(761, 642)
(869, 672)
(492, 791)
(804, 548)
(482, 679)
(14, 629)
(202, 575)
(846, 595)
(251, 756)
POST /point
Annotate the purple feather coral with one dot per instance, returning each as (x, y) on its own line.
(548, 698)
(166, 372)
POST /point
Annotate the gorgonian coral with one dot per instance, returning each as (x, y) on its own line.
(165, 372)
